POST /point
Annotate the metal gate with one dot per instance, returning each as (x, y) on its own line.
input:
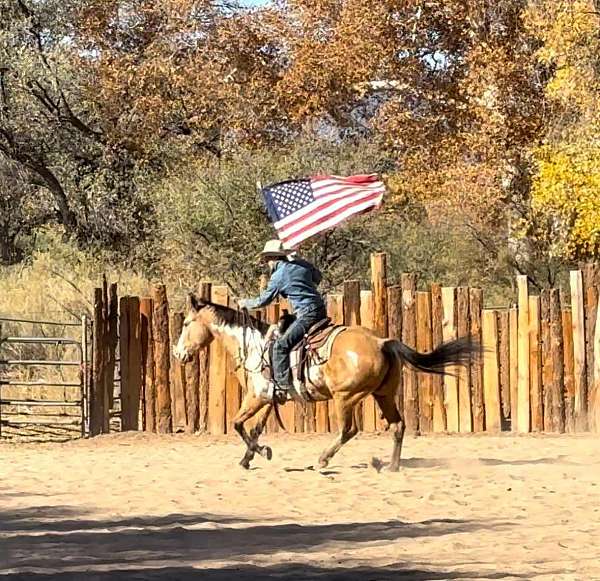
(44, 379)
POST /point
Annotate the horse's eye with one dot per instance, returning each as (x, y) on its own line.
(186, 323)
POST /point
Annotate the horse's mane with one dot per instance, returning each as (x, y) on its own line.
(235, 318)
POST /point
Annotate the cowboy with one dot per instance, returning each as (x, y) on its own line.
(294, 279)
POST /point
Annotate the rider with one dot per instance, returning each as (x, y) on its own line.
(295, 279)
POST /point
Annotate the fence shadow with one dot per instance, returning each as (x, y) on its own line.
(50, 542)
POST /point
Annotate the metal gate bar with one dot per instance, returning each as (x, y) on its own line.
(82, 402)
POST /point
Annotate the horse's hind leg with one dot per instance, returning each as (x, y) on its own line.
(347, 425)
(249, 408)
(387, 404)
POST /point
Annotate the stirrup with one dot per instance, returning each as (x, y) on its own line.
(280, 396)
(286, 393)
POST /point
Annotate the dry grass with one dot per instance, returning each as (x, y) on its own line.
(56, 285)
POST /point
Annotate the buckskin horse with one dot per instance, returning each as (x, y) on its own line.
(359, 364)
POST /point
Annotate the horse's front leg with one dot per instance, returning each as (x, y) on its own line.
(249, 408)
(344, 408)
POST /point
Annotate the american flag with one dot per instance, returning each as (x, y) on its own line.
(302, 208)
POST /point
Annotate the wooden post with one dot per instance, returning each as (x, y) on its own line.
(409, 337)
(491, 390)
(98, 413)
(148, 384)
(379, 290)
(205, 293)
(591, 283)
(310, 418)
(131, 374)
(380, 322)
(124, 329)
(547, 370)
(567, 323)
(192, 377)
(394, 302)
(437, 319)
(475, 311)
(370, 409)
(538, 353)
(288, 412)
(178, 386)
(595, 392)
(271, 317)
(107, 395)
(217, 395)
(579, 360)
(352, 303)
(135, 362)
(160, 331)
(233, 389)
(449, 331)
(554, 403)
(523, 413)
(111, 343)
(335, 311)
(233, 396)
(352, 318)
(424, 342)
(503, 361)
(513, 318)
(463, 324)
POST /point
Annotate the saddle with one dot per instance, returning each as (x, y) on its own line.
(313, 349)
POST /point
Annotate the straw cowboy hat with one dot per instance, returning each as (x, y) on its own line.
(274, 249)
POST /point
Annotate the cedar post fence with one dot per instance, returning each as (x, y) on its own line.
(539, 369)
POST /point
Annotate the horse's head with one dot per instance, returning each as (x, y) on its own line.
(196, 332)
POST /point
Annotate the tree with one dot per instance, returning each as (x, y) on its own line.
(566, 187)
(20, 213)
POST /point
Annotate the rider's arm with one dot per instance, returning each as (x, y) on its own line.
(267, 295)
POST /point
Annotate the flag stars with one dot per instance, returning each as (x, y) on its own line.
(291, 197)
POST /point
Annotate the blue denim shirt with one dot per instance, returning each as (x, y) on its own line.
(295, 280)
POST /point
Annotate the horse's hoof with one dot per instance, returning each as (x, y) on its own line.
(245, 463)
(266, 452)
(323, 463)
(393, 468)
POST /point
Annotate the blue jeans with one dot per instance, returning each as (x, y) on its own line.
(284, 345)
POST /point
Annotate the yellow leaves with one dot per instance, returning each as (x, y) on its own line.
(570, 35)
(567, 190)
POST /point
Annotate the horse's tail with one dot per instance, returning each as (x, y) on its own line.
(456, 352)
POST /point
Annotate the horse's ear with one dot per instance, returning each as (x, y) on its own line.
(193, 302)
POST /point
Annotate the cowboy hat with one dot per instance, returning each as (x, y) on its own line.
(274, 249)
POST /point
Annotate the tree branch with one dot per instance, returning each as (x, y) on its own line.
(65, 214)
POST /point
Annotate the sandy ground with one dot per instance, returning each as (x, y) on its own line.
(140, 506)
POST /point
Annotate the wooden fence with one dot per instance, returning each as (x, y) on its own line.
(540, 370)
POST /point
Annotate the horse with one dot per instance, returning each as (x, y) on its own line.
(360, 364)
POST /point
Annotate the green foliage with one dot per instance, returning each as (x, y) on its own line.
(137, 131)
(212, 221)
